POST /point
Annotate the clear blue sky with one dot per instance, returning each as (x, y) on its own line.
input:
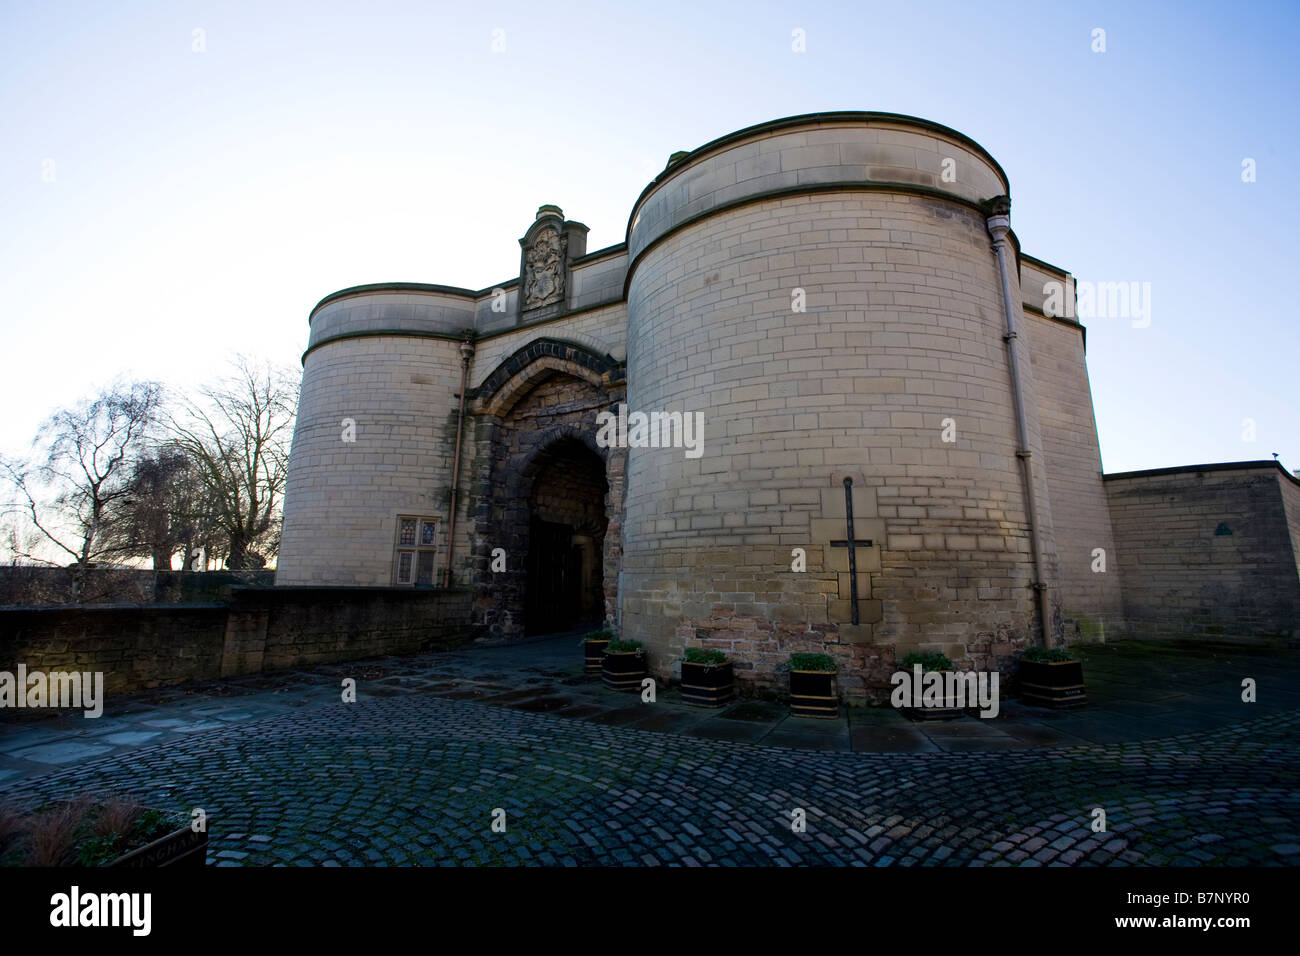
(202, 202)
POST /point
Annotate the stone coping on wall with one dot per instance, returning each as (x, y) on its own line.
(823, 119)
(122, 606)
(1216, 466)
(811, 153)
(284, 589)
(241, 593)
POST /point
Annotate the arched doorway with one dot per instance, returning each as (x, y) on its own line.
(541, 477)
(564, 579)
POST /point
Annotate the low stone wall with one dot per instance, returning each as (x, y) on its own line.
(135, 646)
(39, 586)
(1206, 552)
(198, 587)
(255, 630)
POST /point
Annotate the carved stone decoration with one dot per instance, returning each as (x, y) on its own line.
(544, 268)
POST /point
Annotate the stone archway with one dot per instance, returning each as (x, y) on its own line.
(563, 565)
(546, 493)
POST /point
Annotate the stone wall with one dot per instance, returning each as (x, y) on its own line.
(323, 625)
(343, 498)
(1089, 601)
(135, 647)
(39, 586)
(1205, 551)
(1291, 503)
(903, 330)
(258, 629)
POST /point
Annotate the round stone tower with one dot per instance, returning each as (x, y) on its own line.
(375, 437)
(823, 291)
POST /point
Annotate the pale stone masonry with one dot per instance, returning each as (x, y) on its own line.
(823, 291)
(1209, 551)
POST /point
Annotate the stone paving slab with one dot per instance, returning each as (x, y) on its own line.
(60, 752)
(727, 730)
(978, 745)
(131, 738)
(1041, 735)
(890, 740)
(965, 728)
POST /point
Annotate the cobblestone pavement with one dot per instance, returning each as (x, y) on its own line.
(1136, 692)
(414, 779)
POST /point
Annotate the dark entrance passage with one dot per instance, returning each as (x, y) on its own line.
(554, 596)
(566, 536)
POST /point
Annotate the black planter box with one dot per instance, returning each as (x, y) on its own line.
(181, 848)
(594, 655)
(950, 710)
(1055, 684)
(812, 694)
(705, 686)
(623, 670)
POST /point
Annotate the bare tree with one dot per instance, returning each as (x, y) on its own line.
(17, 536)
(239, 436)
(195, 511)
(79, 469)
(168, 508)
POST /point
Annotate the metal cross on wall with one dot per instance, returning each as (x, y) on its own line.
(852, 544)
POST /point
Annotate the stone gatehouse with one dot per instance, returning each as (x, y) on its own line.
(840, 296)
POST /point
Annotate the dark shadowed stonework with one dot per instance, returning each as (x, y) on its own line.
(255, 629)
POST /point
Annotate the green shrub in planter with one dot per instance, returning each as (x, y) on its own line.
(932, 663)
(812, 686)
(623, 666)
(1046, 655)
(1051, 678)
(698, 655)
(593, 649)
(707, 678)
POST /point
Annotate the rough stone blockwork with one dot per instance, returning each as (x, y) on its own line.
(859, 385)
(1209, 551)
(260, 629)
(1090, 600)
(39, 586)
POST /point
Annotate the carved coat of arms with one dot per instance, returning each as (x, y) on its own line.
(544, 269)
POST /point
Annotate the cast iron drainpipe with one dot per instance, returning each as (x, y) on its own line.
(999, 226)
(466, 355)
